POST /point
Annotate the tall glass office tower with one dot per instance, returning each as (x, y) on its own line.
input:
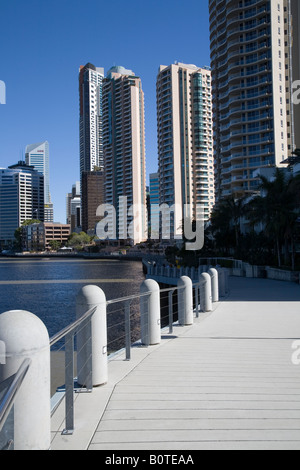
(37, 155)
(251, 76)
(21, 199)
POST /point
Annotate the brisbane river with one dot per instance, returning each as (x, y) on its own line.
(48, 287)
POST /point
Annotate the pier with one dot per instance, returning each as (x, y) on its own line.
(226, 381)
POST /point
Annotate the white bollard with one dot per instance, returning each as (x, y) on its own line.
(150, 313)
(214, 284)
(205, 292)
(25, 336)
(185, 301)
(89, 297)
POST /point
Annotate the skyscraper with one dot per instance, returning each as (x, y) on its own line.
(251, 74)
(37, 155)
(90, 121)
(21, 199)
(154, 202)
(185, 140)
(73, 208)
(124, 151)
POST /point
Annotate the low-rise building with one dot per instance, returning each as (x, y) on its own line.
(38, 237)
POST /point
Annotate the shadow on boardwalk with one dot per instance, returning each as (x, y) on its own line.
(262, 290)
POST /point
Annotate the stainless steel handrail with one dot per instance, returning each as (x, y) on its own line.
(10, 395)
(69, 333)
(68, 329)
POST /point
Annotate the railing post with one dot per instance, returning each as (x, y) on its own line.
(185, 301)
(197, 303)
(171, 314)
(127, 329)
(222, 282)
(214, 284)
(205, 292)
(150, 313)
(25, 336)
(89, 297)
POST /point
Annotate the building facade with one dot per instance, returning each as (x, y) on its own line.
(90, 121)
(92, 196)
(251, 75)
(21, 199)
(38, 237)
(37, 155)
(73, 208)
(124, 153)
(154, 200)
(185, 140)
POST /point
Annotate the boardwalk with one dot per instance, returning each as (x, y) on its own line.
(227, 382)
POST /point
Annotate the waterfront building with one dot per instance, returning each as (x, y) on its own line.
(92, 189)
(252, 77)
(154, 202)
(124, 152)
(293, 25)
(37, 155)
(73, 208)
(185, 140)
(90, 121)
(38, 237)
(21, 199)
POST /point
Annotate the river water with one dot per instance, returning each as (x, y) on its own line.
(48, 287)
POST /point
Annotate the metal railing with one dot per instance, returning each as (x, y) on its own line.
(11, 390)
(133, 321)
(69, 334)
(124, 319)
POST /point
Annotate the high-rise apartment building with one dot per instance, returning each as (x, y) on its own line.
(251, 76)
(293, 25)
(21, 199)
(90, 121)
(124, 152)
(37, 155)
(154, 199)
(185, 140)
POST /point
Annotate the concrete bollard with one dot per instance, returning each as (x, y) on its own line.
(89, 297)
(214, 284)
(25, 336)
(185, 301)
(205, 292)
(150, 313)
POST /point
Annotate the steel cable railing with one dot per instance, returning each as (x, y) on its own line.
(10, 389)
(116, 325)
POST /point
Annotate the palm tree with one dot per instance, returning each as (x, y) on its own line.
(226, 218)
(276, 209)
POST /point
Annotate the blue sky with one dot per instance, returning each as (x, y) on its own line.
(43, 43)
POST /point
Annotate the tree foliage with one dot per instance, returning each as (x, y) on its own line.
(271, 219)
